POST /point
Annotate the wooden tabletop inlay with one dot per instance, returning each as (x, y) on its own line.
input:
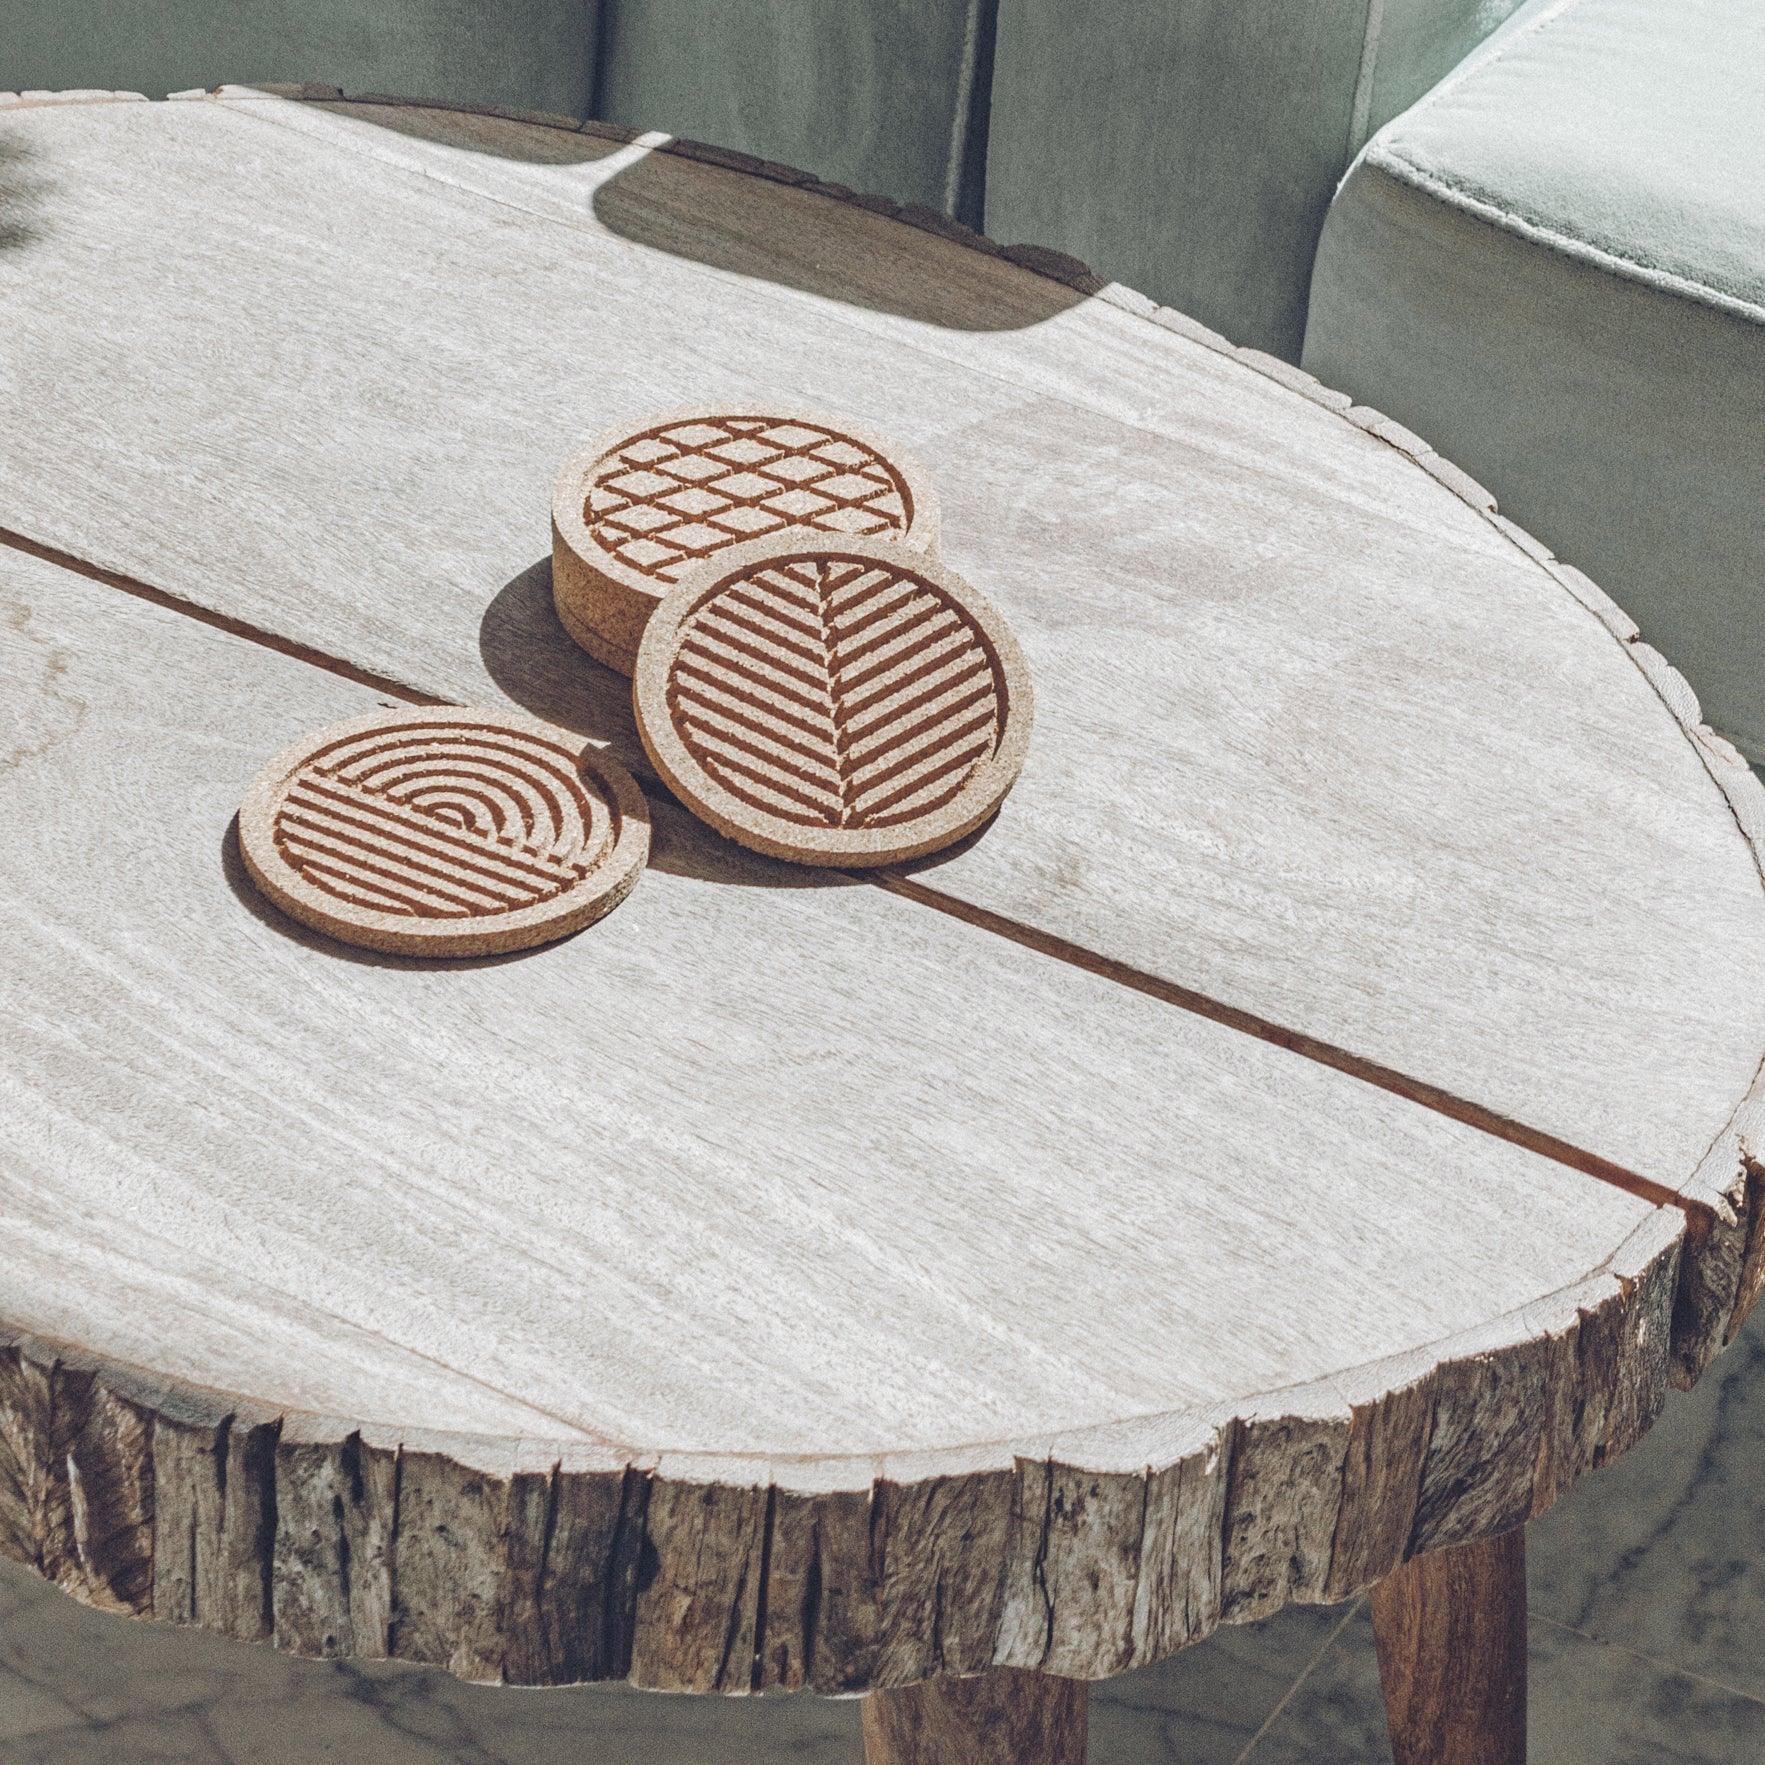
(843, 706)
(444, 833)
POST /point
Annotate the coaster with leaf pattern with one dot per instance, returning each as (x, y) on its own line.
(638, 510)
(444, 832)
(837, 703)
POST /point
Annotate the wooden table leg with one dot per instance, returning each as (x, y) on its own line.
(1005, 1717)
(1451, 1632)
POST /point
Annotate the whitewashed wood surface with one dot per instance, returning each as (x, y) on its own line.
(754, 1168)
(1399, 793)
(951, 1303)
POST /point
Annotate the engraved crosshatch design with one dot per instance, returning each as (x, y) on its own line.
(835, 692)
(671, 496)
(441, 821)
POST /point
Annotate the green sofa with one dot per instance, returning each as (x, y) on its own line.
(884, 95)
(1187, 147)
(1553, 268)
(527, 53)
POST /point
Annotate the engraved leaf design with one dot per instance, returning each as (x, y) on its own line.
(835, 692)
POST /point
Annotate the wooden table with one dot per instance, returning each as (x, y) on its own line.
(1304, 1134)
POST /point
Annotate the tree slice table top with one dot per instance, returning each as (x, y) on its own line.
(1310, 1126)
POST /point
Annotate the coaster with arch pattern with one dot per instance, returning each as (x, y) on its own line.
(444, 832)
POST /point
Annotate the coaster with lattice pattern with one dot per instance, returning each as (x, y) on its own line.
(444, 832)
(637, 510)
(846, 703)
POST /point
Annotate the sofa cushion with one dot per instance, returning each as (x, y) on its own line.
(1189, 147)
(532, 54)
(1553, 268)
(884, 95)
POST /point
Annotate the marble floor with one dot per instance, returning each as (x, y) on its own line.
(1648, 1647)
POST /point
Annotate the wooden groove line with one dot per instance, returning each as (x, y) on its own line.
(1308, 1047)
(176, 603)
(1700, 1215)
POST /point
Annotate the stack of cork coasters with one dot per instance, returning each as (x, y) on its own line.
(637, 510)
(444, 832)
(806, 677)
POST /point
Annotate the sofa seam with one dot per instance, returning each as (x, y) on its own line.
(965, 159)
(1361, 105)
(1479, 57)
(1386, 158)
(1484, 57)
(600, 50)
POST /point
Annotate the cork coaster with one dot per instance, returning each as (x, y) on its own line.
(833, 703)
(444, 832)
(638, 510)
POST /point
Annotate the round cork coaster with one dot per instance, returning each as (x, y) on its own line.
(444, 832)
(637, 510)
(833, 703)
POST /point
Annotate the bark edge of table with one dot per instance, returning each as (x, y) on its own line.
(544, 1563)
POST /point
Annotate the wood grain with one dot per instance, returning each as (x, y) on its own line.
(1002, 1718)
(1451, 1632)
(450, 1282)
(1410, 798)
(1421, 790)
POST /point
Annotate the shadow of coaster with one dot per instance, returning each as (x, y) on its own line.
(444, 832)
(637, 510)
(827, 703)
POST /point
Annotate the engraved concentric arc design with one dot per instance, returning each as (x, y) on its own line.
(444, 832)
(670, 496)
(441, 822)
